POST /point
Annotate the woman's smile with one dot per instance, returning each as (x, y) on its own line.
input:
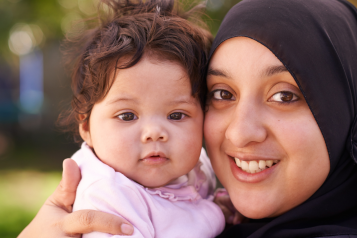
(255, 166)
(253, 163)
(253, 171)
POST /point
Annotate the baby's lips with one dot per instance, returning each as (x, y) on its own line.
(155, 154)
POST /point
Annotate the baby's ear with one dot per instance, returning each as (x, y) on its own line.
(85, 133)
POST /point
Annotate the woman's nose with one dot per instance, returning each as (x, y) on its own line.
(154, 131)
(246, 125)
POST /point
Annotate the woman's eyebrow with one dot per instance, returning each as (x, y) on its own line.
(217, 72)
(270, 71)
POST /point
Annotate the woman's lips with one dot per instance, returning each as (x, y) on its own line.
(252, 171)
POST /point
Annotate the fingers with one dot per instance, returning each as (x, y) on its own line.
(238, 218)
(47, 223)
(228, 215)
(71, 175)
(231, 215)
(65, 193)
(85, 221)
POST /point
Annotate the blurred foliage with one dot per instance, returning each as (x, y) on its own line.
(51, 16)
(47, 14)
(28, 190)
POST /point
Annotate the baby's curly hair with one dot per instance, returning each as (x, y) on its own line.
(130, 29)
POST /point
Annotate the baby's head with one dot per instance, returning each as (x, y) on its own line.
(139, 90)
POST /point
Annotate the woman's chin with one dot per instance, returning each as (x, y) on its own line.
(259, 209)
(256, 214)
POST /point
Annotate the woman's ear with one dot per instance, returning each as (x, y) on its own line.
(85, 133)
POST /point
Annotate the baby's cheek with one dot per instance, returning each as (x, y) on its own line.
(117, 149)
(192, 144)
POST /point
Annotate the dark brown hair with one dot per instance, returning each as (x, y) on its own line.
(131, 29)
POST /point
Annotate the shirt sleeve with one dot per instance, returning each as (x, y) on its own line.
(122, 200)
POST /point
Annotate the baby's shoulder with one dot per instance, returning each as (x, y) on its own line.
(91, 167)
(115, 184)
(98, 175)
(111, 189)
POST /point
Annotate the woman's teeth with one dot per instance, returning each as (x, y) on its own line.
(254, 166)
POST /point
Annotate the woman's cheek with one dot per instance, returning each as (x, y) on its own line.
(212, 131)
(300, 135)
(214, 134)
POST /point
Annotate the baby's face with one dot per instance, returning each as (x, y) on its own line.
(148, 127)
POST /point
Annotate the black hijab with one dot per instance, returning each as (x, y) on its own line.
(316, 40)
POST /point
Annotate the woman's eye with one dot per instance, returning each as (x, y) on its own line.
(127, 116)
(284, 97)
(176, 116)
(222, 94)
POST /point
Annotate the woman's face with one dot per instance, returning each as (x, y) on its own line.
(264, 143)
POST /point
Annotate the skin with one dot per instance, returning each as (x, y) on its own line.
(275, 129)
(257, 112)
(149, 127)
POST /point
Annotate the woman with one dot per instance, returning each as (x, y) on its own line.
(280, 127)
(286, 92)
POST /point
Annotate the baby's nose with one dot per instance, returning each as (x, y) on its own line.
(154, 132)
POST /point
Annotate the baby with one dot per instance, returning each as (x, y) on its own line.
(138, 105)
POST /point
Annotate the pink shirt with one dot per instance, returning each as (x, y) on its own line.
(183, 208)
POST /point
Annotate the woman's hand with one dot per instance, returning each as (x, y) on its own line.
(56, 220)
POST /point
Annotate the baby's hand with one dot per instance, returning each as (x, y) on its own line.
(222, 199)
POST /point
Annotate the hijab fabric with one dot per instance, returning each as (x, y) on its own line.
(316, 40)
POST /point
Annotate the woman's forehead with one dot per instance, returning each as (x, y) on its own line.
(243, 50)
(240, 56)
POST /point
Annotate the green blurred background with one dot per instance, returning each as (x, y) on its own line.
(34, 88)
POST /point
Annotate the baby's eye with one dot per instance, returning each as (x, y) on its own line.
(284, 96)
(127, 116)
(222, 95)
(176, 116)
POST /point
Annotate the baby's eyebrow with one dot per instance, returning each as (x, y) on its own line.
(118, 99)
(177, 102)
